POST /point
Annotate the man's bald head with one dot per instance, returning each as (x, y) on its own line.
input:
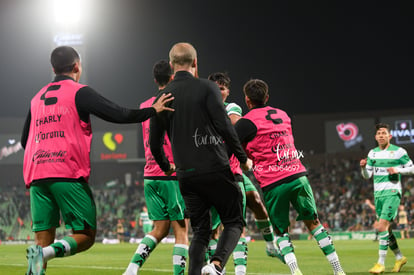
(183, 54)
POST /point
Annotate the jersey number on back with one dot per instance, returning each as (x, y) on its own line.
(274, 120)
(50, 100)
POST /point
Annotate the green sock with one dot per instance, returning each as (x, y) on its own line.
(211, 249)
(65, 247)
(285, 244)
(240, 255)
(180, 254)
(324, 240)
(266, 229)
(144, 249)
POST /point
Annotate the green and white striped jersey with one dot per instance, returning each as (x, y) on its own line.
(233, 108)
(145, 218)
(379, 161)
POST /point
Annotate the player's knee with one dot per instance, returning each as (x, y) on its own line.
(237, 226)
(201, 234)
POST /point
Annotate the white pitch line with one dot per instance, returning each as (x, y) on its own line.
(122, 268)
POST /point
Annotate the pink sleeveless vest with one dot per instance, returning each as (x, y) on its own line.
(272, 150)
(151, 168)
(59, 143)
(235, 165)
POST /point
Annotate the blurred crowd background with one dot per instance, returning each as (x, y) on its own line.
(338, 187)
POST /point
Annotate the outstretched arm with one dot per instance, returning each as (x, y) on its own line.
(88, 101)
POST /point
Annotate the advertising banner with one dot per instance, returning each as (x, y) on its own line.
(114, 145)
(349, 134)
(401, 129)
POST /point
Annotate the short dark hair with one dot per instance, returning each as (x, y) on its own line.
(257, 91)
(63, 59)
(162, 72)
(220, 78)
(382, 125)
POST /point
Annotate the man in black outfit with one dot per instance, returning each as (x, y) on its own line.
(199, 131)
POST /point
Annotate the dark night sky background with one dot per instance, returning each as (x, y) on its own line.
(315, 58)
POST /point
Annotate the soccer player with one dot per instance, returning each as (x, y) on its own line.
(200, 132)
(384, 164)
(162, 195)
(120, 231)
(403, 222)
(252, 196)
(144, 219)
(57, 139)
(266, 134)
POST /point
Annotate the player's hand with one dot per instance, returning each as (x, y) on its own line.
(363, 163)
(171, 171)
(159, 105)
(392, 170)
(247, 165)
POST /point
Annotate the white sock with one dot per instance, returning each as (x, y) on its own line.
(240, 270)
(291, 261)
(132, 269)
(382, 256)
(48, 253)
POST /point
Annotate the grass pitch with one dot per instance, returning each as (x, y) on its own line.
(356, 256)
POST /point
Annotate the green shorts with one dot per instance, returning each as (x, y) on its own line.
(164, 200)
(248, 184)
(386, 207)
(72, 200)
(215, 218)
(299, 194)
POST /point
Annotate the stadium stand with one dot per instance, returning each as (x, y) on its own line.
(339, 190)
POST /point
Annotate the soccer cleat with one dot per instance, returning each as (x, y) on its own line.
(275, 253)
(211, 269)
(377, 269)
(398, 264)
(35, 260)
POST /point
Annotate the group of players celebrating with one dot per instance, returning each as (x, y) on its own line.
(199, 183)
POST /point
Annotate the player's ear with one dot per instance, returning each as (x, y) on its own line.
(76, 67)
(248, 102)
(266, 99)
